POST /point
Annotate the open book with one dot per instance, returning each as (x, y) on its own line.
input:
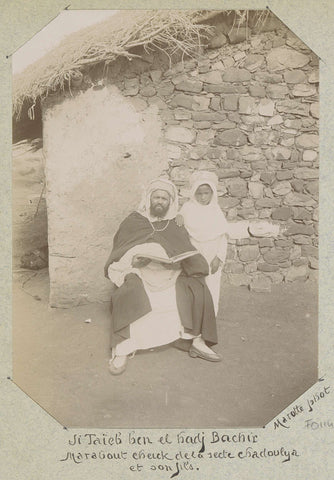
(171, 260)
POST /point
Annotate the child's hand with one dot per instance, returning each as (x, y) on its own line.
(263, 229)
(214, 265)
(179, 220)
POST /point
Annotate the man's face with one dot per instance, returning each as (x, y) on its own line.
(160, 201)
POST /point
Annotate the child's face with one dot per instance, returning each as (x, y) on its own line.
(204, 194)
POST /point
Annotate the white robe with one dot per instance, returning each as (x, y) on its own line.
(162, 325)
(209, 230)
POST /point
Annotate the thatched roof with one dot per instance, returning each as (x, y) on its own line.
(167, 30)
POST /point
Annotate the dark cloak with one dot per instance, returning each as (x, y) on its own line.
(130, 302)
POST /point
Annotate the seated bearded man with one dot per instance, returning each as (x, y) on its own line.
(152, 303)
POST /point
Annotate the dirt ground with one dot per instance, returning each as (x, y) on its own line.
(268, 342)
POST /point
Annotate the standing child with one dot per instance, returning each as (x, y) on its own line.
(207, 226)
(209, 230)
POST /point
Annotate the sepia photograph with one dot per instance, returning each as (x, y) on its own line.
(165, 208)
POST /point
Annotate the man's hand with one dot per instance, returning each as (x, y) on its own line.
(139, 261)
(179, 220)
(214, 265)
(172, 266)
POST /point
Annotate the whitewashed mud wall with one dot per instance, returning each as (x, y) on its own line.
(100, 150)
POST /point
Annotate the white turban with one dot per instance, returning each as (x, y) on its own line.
(159, 184)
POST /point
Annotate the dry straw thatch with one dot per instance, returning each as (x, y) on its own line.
(171, 31)
(168, 30)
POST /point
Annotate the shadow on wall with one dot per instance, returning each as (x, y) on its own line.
(28, 127)
(29, 214)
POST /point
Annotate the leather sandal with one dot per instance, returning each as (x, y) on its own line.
(117, 370)
(211, 357)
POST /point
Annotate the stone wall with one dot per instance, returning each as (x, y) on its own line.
(248, 110)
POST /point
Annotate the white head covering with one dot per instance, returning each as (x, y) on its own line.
(202, 177)
(204, 222)
(159, 184)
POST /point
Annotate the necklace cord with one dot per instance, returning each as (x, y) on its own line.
(159, 229)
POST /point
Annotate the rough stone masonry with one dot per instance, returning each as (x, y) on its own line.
(249, 112)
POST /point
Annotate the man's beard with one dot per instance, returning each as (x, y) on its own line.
(158, 211)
